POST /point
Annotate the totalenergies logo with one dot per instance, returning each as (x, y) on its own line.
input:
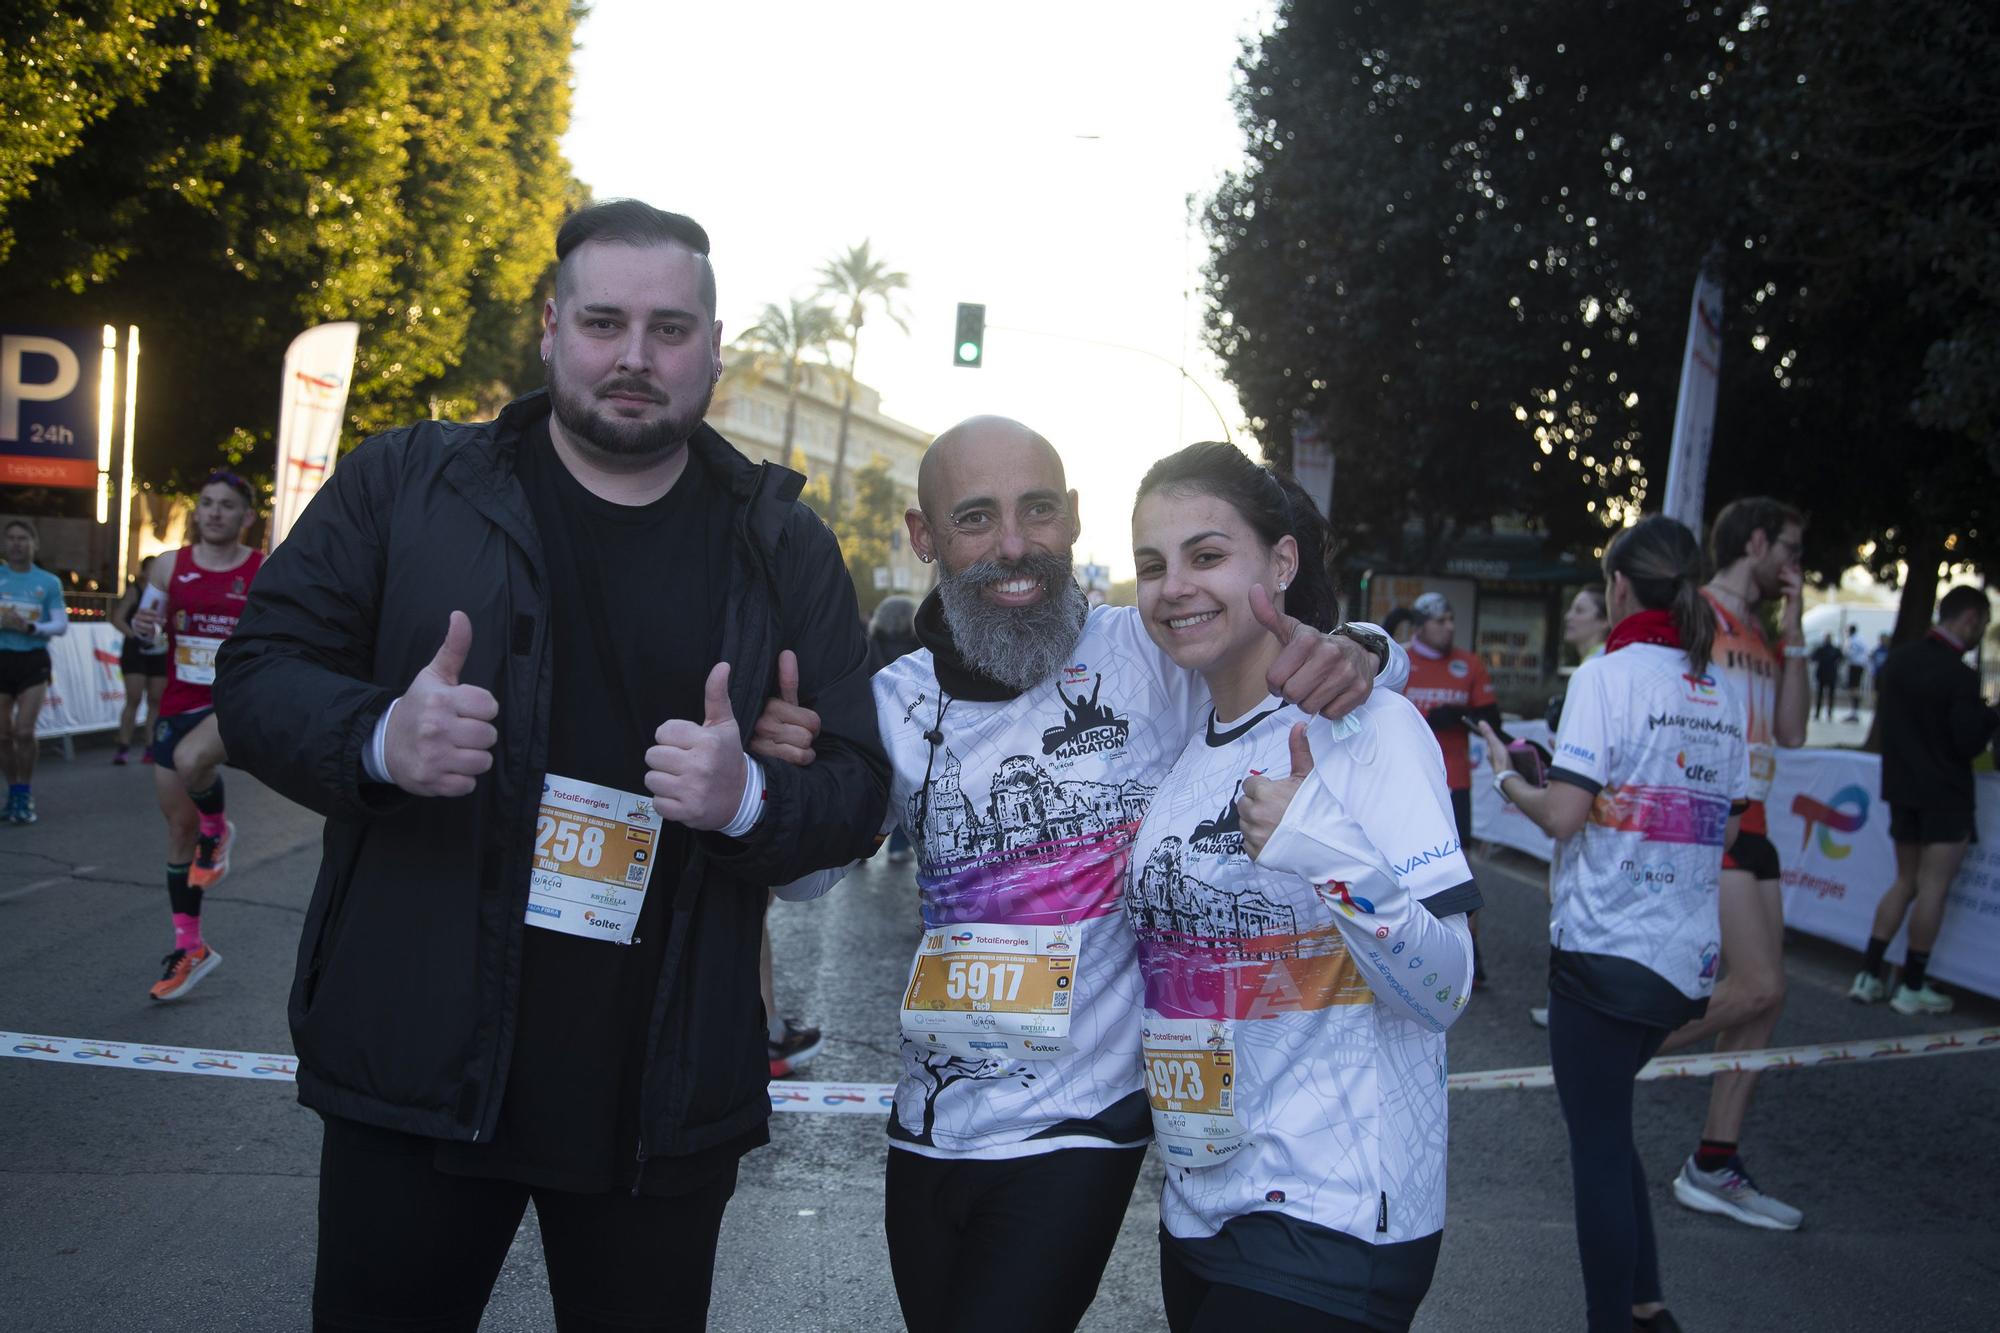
(1845, 813)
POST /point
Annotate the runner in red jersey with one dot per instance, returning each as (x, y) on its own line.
(1755, 546)
(1452, 689)
(196, 596)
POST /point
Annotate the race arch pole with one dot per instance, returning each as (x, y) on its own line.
(1179, 369)
(125, 458)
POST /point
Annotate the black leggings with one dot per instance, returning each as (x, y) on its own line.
(1196, 1305)
(1004, 1247)
(404, 1246)
(1595, 1057)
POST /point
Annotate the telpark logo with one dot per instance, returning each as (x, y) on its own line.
(1845, 813)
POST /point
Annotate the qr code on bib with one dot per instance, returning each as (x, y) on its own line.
(635, 874)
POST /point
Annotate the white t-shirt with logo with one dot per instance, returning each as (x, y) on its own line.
(1021, 1012)
(1296, 1006)
(1665, 755)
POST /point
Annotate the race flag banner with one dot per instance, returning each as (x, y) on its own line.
(1694, 411)
(1312, 461)
(880, 1098)
(319, 365)
(87, 689)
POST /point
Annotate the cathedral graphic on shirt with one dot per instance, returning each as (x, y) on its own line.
(1025, 807)
(1165, 902)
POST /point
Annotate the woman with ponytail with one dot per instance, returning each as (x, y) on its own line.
(1297, 987)
(1651, 772)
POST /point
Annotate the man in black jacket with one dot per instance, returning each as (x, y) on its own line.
(618, 583)
(1934, 724)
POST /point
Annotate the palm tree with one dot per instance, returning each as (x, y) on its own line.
(793, 336)
(861, 280)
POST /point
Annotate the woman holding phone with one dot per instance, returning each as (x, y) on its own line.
(1650, 773)
(1298, 897)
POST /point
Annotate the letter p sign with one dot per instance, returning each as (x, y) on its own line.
(15, 386)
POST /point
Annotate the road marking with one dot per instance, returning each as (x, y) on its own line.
(876, 1098)
(48, 883)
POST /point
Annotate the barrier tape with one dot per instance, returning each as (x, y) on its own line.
(877, 1098)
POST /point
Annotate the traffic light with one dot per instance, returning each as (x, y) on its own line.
(969, 347)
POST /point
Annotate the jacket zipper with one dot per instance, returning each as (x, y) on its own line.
(1382, 1214)
(639, 1172)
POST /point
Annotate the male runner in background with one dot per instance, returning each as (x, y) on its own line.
(1754, 548)
(197, 594)
(1452, 689)
(31, 613)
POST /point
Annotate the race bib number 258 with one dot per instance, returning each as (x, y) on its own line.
(594, 856)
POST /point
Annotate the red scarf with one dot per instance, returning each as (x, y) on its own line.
(1644, 627)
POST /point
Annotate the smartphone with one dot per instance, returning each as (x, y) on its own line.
(1530, 761)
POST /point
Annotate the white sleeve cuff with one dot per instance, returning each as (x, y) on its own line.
(751, 808)
(375, 759)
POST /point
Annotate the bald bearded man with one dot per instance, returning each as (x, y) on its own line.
(1027, 736)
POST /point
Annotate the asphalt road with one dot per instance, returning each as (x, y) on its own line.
(148, 1201)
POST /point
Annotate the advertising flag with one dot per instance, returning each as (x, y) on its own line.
(1694, 411)
(318, 368)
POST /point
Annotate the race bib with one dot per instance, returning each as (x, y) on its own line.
(1191, 1082)
(990, 992)
(594, 850)
(194, 659)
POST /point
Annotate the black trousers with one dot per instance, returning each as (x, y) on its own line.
(1196, 1305)
(1595, 1058)
(404, 1246)
(1004, 1247)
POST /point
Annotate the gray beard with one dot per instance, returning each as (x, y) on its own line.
(1018, 646)
(632, 440)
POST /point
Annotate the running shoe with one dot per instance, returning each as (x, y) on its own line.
(24, 813)
(1539, 1015)
(122, 757)
(1731, 1193)
(146, 755)
(1867, 989)
(1663, 1322)
(13, 815)
(790, 1053)
(1911, 1003)
(183, 968)
(211, 859)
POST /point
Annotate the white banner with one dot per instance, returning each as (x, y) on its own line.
(1831, 829)
(318, 368)
(1694, 411)
(1312, 462)
(88, 690)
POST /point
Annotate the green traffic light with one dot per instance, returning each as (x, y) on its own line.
(968, 351)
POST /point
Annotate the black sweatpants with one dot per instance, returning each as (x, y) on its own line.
(1595, 1059)
(404, 1246)
(1196, 1305)
(1004, 1247)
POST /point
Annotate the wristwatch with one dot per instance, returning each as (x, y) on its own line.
(1374, 643)
(1500, 781)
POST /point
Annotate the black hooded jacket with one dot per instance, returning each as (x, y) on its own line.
(403, 1006)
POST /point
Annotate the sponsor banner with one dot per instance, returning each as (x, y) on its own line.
(878, 1098)
(319, 365)
(52, 390)
(1831, 829)
(88, 689)
(1694, 411)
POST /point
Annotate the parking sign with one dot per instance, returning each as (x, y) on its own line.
(49, 383)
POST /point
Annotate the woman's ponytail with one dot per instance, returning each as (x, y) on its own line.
(1661, 559)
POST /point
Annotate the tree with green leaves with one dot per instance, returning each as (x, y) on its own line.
(864, 527)
(279, 166)
(860, 281)
(793, 339)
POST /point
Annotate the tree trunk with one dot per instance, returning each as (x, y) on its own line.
(840, 440)
(1913, 612)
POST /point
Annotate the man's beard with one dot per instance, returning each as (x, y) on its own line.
(1019, 646)
(578, 411)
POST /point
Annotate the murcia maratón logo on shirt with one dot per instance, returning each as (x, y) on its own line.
(1087, 727)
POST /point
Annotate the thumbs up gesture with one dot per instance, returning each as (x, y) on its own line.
(441, 734)
(695, 770)
(1264, 801)
(785, 731)
(1322, 674)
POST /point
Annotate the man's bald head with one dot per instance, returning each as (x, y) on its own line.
(972, 449)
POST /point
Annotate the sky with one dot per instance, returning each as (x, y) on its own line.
(1034, 157)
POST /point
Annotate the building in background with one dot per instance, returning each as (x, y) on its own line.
(749, 409)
